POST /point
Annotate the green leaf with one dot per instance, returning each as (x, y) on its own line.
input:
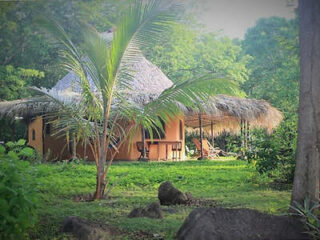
(21, 142)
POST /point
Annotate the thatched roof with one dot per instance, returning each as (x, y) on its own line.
(226, 114)
(147, 82)
(25, 108)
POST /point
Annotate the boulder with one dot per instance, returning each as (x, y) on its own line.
(151, 211)
(82, 229)
(169, 195)
(240, 224)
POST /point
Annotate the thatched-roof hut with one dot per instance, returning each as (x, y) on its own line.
(219, 113)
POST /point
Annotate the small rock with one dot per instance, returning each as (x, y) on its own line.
(82, 229)
(151, 211)
(169, 195)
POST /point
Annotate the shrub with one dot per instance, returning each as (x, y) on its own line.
(23, 151)
(309, 212)
(275, 153)
(17, 202)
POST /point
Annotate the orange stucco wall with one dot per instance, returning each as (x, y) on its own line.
(59, 148)
(36, 126)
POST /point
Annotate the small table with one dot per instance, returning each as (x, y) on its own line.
(158, 142)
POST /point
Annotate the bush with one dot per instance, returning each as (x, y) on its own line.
(275, 154)
(23, 151)
(309, 213)
(17, 202)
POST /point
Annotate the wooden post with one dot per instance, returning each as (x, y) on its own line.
(242, 136)
(246, 136)
(144, 152)
(212, 135)
(201, 137)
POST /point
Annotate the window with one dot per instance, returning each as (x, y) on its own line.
(48, 128)
(33, 134)
(181, 129)
(157, 133)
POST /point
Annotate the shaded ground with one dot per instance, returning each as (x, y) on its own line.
(225, 183)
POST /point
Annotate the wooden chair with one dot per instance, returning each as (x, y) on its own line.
(176, 147)
(198, 146)
(208, 150)
(140, 149)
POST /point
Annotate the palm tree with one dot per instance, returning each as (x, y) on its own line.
(107, 118)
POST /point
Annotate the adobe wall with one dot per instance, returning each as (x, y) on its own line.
(36, 126)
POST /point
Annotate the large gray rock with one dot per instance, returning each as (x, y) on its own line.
(240, 224)
(169, 195)
(151, 211)
(82, 229)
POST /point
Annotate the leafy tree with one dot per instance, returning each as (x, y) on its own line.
(23, 46)
(16, 80)
(186, 52)
(273, 45)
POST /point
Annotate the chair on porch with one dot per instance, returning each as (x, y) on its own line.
(176, 147)
(207, 149)
(140, 149)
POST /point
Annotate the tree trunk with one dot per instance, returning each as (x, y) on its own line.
(85, 149)
(306, 179)
(100, 186)
(74, 147)
(201, 137)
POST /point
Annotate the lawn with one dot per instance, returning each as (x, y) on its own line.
(229, 183)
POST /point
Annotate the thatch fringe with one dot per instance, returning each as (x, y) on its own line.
(226, 114)
(26, 108)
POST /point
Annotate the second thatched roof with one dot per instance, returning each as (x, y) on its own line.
(226, 114)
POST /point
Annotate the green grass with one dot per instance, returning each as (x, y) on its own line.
(229, 183)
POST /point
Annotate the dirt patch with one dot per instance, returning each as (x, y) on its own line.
(200, 202)
(280, 186)
(87, 198)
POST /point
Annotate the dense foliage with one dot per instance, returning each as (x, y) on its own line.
(184, 52)
(17, 203)
(273, 45)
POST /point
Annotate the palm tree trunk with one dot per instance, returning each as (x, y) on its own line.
(306, 179)
(74, 147)
(100, 185)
